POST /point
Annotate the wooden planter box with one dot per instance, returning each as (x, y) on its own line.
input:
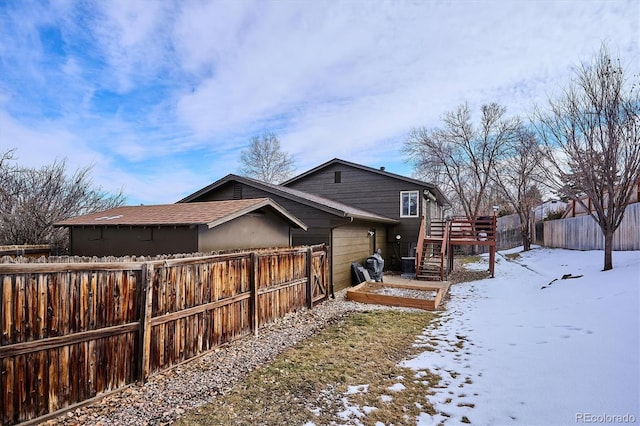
(427, 295)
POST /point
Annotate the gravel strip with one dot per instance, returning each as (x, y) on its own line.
(168, 395)
(402, 292)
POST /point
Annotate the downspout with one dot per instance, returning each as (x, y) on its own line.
(333, 296)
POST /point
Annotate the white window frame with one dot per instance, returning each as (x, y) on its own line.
(409, 196)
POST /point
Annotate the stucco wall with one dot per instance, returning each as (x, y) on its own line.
(253, 230)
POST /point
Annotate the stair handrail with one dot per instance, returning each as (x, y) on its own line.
(419, 247)
(444, 248)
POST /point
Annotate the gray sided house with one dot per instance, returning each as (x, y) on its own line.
(182, 228)
(403, 199)
(352, 233)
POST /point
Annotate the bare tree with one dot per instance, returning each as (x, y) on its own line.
(592, 142)
(32, 200)
(460, 157)
(516, 177)
(265, 160)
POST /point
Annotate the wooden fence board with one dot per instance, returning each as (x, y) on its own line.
(75, 331)
(583, 232)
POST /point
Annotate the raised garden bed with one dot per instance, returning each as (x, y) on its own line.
(423, 295)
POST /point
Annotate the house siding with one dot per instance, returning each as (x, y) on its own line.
(375, 193)
(353, 241)
(134, 240)
(350, 243)
(318, 223)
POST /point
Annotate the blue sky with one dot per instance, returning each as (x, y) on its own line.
(161, 96)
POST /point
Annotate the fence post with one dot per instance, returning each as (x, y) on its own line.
(309, 277)
(145, 320)
(326, 271)
(253, 287)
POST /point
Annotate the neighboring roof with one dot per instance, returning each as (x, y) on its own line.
(442, 199)
(320, 203)
(211, 213)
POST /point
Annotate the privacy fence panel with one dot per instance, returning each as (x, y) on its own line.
(67, 335)
(583, 232)
(197, 305)
(319, 274)
(281, 281)
(74, 331)
(508, 232)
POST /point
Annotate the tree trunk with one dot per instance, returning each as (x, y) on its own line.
(526, 239)
(608, 248)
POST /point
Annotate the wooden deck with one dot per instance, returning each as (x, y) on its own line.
(369, 292)
(434, 251)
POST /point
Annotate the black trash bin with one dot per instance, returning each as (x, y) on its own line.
(375, 264)
(408, 267)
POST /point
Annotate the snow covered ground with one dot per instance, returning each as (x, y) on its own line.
(512, 352)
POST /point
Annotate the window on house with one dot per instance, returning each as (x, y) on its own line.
(337, 177)
(409, 203)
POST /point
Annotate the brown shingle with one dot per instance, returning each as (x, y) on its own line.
(207, 213)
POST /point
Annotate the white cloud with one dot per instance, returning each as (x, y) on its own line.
(133, 38)
(183, 86)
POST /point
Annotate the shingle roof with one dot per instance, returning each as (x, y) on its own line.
(210, 213)
(316, 201)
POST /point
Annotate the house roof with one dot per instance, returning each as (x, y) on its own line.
(211, 214)
(442, 199)
(320, 203)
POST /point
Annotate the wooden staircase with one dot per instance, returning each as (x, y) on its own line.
(432, 249)
(430, 266)
(434, 254)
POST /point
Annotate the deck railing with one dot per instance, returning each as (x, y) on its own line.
(481, 231)
(455, 232)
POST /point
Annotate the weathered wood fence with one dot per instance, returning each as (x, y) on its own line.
(508, 232)
(26, 250)
(75, 331)
(583, 233)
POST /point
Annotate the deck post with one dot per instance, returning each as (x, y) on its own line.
(492, 259)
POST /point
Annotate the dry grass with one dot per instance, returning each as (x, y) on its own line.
(462, 275)
(512, 256)
(309, 382)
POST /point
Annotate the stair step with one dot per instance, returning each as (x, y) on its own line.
(427, 278)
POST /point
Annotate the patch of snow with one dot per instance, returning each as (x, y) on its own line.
(425, 419)
(352, 413)
(512, 352)
(397, 387)
(357, 389)
(316, 410)
(386, 398)
(367, 409)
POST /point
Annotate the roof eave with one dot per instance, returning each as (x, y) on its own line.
(258, 205)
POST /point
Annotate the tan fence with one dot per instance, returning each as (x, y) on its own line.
(583, 233)
(26, 250)
(74, 331)
(508, 233)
